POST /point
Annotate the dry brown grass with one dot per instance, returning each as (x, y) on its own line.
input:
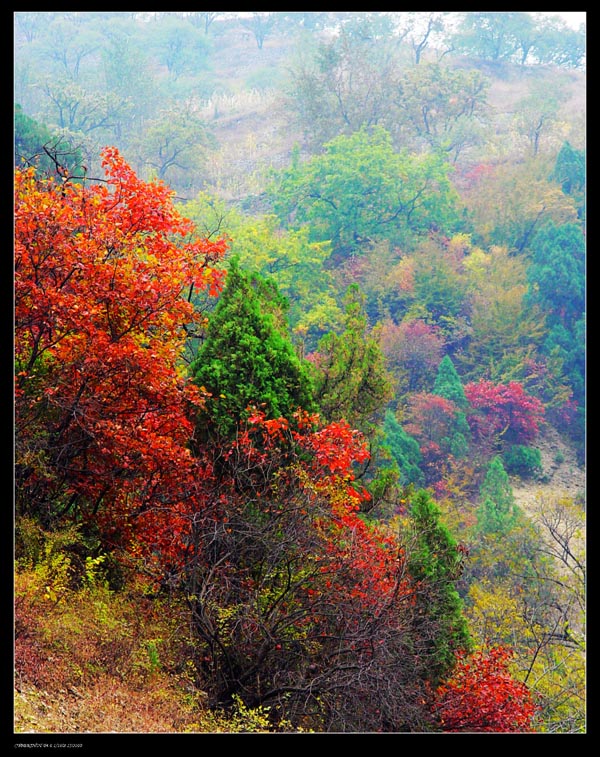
(92, 660)
(109, 705)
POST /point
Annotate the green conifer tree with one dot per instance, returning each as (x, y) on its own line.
(448, 385)
(404, 450)
(498, 511)
(247, 358)
(435, 563)
(569, 168)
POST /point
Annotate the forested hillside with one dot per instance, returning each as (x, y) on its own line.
(300, 397)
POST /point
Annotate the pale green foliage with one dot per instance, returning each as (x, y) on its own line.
(93, 574)
(537, 114)
(349, 373)
(342, 84)
(505, 330)
(242, 719)
(173, 142)
(526, 590)
(443, 107)
(287, 256)
(46, 554)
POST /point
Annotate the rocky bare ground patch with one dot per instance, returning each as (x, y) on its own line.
(563, 476)
(564, 481)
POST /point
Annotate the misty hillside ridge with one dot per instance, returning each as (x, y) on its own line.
(300, 373)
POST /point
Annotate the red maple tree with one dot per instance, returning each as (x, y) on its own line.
(503, 412)
(483, 696)
(299, 604)
(103, 277)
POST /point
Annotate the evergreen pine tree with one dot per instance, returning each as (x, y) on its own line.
(569, 169)
(247, 358)
(404, 450)
(435, 563)
(448, 385)
(498, 511)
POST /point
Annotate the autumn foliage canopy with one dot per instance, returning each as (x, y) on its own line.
(102, 278)
(504, 410)
(482, 696)
(296, 600)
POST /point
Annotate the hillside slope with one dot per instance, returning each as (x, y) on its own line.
(563, 476)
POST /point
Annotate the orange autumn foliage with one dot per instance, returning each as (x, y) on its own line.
(103, 275)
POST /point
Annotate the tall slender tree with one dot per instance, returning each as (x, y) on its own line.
(435, 562)
(498, 510)
(448, 383)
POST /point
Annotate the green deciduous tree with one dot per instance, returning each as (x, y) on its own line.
(509, 204)
(537, 112)
(30, 23)
(294, 263)
(361, 189)
(179, 46)
(492, 35)
(351, 382)
(558, 44)
(68, 45)
(518, 36)
(421, 29)
(443, 107)
(78, 109)
(344, 83)
(350, 377)
(203, 19)
(439, 287)
(174, 142)
(261, 25)
(127, 71)
(505, 329)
